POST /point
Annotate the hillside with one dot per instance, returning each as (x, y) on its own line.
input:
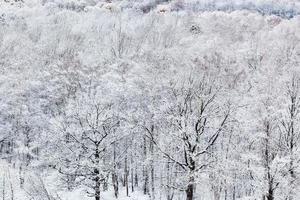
(149, 100)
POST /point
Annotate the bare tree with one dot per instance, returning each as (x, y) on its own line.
(196, 120)
(290, 129)
(91, 134)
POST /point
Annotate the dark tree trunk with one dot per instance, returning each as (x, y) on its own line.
(268, 157)
(97, 185)
(132, 180)
(191, 185)
(145, 170)
(270, 194)
(233, 193)
(190, 188)
(136, 178)
(115, 184)
(97, 191)
(152, 166)
(105, 184)
(190, 192)
(122, 180)
(126, 177)
(21, 175)
(115, 180)
(97, 177)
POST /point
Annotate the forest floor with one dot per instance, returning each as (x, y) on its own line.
(39, 187)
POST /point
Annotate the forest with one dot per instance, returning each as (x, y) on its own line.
(149, 100)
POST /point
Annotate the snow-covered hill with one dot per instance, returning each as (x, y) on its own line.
(149, 100)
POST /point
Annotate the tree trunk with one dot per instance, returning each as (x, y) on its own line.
(152, 169)
(126, 177)
(234, 193)
(190, 192)
(136, 178)
(270, 195)
(97, 194)
(132, 180)
(131, 172)
(292, 174)
(114, 175)
(97, 185)
(105, 183)
(97, 177)
(268, 159)
(115, 184)
(145, 171)
(170, 193)
(190, 189)
(21, 177)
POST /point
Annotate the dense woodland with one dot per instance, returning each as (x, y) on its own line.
(169, 104)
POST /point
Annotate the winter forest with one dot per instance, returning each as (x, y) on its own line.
(149, 100)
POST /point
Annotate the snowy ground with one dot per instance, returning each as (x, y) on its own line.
(10, 187)
(78, 194)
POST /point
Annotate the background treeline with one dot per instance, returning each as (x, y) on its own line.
(282, 8)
